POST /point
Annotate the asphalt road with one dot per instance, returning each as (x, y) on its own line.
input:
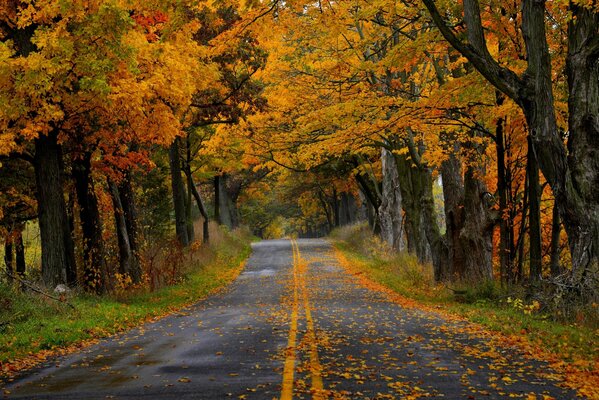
(293, 325)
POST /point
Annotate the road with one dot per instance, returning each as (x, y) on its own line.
(293, 325)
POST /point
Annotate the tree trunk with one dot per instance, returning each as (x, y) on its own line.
(555, 242)
(453, 204)
(534, 231)
(225, 207)
(128, 263)
(390, 210)
(335, 204)
(217, 193)
(127, 200)
(20, 254)
(505, 240)
(373, 202)
(95, 271)
(200, 204)
(69, 242)
(8, 256)
(56, 257)
(477, 233)
(572, 175)
(413, 180)
(325, 208)
(516, 276)
(178, 191)
(437, 242)
(580, 215)
(189, 216)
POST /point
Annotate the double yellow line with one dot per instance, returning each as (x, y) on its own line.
(299, 285)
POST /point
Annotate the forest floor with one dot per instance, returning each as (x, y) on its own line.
(300, 321)
(34, 328)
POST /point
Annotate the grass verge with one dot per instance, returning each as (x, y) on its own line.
(33, 328)
(570, 348)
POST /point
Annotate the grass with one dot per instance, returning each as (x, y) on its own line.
(487, 304)
(33, 327)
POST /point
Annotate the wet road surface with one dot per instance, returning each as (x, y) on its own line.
(293, 325)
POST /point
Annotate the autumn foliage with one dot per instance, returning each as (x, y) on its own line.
(466, 133)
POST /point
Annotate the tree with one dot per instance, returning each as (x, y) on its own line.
(569, 173)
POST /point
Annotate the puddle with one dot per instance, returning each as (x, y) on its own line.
(262, 272)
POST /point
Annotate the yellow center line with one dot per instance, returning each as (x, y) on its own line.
(289, 366)
(315, 367)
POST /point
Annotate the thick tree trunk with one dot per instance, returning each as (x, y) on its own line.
(413, 181)
(95, 271)
(453, 203)
(390, 211)
(534, 231)
(224, 207)
(580, 214)
(477, 233)
(345, 209)
(54, 232)
(178, 191)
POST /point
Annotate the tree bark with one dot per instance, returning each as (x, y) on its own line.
(572, 177)
(477, 233)
(54, 232)
(390, 210)
(227, 211)
(95, 271)
(453, 204)
(580, 211)
(189, 216)
(505, 239)
(516, 275)
(413, 180)
(534, 215)
(200, 204)
(178, 192)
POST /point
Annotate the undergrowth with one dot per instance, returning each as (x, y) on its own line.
(31, 324)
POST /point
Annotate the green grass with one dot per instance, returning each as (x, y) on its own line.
(31, 323)
(486, 304)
